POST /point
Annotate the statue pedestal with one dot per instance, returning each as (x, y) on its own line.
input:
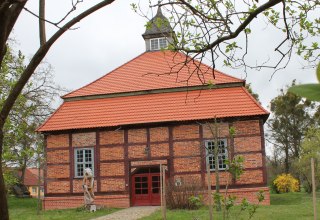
(92, 208)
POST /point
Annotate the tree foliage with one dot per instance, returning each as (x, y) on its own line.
(291, 118)
(33, 105)
(309, 149)
(9, 13)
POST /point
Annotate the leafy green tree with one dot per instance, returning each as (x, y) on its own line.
(30, 110)
(309, 149)
(9, 13)
(291, 117)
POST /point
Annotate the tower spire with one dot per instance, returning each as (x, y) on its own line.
(158, 32)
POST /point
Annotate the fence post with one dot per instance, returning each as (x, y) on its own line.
(164, 193)
(313, 190)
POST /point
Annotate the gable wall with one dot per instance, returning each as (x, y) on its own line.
(182, 146)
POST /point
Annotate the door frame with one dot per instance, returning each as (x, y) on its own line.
(151, 198)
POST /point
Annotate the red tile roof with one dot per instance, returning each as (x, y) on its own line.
(153, 108)
(153, 70)
(31, 177)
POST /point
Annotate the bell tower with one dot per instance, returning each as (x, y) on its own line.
(159, 34)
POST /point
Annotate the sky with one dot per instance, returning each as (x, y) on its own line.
(112, 36)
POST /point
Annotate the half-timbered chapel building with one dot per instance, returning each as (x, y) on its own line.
(152, 110)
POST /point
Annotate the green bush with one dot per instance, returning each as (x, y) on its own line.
(273, 187)
(9, 179)
(195, 202)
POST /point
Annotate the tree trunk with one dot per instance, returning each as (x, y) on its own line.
(215, 135)
(4, 214)
(42, 27)
(9, 12)
(216, 161)
(287, 166)
(39, 185)
(23, 171)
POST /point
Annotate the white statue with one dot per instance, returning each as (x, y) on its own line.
(88, 187)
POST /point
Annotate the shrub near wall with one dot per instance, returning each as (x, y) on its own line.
(185, 196)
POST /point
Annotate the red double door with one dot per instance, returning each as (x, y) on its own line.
(146, 189)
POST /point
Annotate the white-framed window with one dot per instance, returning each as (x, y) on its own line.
(158, 43)
(34, 189)
(83, 158)
(222, 155)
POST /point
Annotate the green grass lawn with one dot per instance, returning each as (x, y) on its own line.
(26, 209)
(283, 207)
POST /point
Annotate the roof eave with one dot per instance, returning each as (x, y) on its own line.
(264, 117)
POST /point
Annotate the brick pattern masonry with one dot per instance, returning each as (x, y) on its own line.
(180, 146)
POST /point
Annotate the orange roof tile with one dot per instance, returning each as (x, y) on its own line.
(153, 70)
(153, 108)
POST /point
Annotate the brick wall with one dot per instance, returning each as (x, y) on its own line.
(188, 178)
(58, 171)
(58, 164)
(112, 153)
(54, 141)
(84, 139)
(58, 156)
(111, 137)
(223, 130)
(187, 164)
(112, 169)
(159, 150)
(137, 151)
(159, 134)
(246, 144)
(58, 186)
(251, 177)
(252, 160)
(224, 178)
(117, 201)
(186, 146)
(112, 184)
(247, 127)
(183, 132)
(137, 135)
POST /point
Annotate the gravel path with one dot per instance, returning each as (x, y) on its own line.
(132, 213)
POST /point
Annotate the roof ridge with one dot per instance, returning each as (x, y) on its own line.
(105, 75)
(102, 84)
(254, 100)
